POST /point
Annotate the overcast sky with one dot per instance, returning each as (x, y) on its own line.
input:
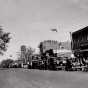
(30, 21)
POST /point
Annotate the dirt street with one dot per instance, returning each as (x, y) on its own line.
(22, 78)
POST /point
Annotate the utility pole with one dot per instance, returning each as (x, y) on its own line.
(71, 40)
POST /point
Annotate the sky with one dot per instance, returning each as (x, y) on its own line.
(30, 21)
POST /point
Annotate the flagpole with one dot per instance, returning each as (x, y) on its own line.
(55, 30)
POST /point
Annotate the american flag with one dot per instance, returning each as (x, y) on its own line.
(54, 30)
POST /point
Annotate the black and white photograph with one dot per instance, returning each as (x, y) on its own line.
(43, 43)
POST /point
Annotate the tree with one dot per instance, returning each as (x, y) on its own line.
(6, 63)
(41, 47)
(50, 52)
(26, 53)
(4, 40)
(30, 51)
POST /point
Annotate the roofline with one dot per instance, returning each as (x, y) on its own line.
(80, 30)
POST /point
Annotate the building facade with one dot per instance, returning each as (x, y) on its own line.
(79, 43)
(50, 44)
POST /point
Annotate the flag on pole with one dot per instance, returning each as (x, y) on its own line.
(54, 30)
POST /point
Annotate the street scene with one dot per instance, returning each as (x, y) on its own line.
(43, 44)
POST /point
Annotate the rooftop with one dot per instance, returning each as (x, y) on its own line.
(81, 30)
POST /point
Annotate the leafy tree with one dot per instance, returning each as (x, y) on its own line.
(4, 40)
(41, 47)
(29, 51)
(50, 52)
(26, 53)
(6, 63)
